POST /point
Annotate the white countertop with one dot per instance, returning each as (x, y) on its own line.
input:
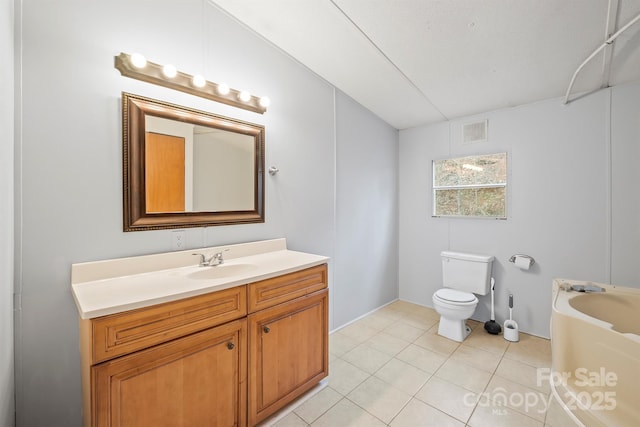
(109, 295)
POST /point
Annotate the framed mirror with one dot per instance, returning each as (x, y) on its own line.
(188, 168)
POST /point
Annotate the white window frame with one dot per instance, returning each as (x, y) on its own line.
(435, 188)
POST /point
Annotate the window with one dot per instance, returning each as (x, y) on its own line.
(474, 186)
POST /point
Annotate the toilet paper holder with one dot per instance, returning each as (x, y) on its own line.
(531, 260)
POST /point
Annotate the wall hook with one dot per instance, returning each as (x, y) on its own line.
(273, 170)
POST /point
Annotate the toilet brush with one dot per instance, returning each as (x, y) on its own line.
(511, 326)
(492, 326)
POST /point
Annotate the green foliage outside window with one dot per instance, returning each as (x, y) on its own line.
(473, 186)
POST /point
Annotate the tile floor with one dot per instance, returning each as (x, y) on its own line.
(391, 368)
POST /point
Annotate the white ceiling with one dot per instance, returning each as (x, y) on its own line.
(413, 62)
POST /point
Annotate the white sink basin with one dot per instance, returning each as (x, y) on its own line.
(220, 271)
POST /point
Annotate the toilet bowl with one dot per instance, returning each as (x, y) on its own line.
(454, 307)
(464, 276)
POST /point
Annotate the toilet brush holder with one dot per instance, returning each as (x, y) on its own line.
(511, 332)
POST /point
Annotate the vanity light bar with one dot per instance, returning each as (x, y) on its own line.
(136, 67)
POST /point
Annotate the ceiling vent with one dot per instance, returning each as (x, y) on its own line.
(474, 132)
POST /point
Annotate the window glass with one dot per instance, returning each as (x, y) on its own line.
(473, 186)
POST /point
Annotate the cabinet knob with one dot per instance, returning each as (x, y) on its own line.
(231, 346)
(266, 329)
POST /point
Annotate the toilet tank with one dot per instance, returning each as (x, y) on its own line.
(467, 272)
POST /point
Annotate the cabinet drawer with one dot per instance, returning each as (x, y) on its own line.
(124, 333)
(270, 292)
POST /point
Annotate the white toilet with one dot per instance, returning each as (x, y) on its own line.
(463, 275)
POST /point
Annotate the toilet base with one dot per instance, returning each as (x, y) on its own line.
(456, 330)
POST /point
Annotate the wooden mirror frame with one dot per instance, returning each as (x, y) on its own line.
(135, 108)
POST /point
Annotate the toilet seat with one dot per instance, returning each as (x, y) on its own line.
(455, 297)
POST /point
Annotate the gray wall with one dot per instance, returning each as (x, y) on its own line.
(625, 176)
(6, 214)
(367, 212)
(71, 190)
(573, 203)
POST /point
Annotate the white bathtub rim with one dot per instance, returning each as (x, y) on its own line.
(562, 306)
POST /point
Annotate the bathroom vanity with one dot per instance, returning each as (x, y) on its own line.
(228, 345)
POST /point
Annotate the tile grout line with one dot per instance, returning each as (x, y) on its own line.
(411, 315)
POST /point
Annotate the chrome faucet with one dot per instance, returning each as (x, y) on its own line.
(587, 288)
(217, 259)
(213, 260)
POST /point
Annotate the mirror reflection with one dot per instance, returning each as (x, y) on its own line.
(188, 168)
(194, 168)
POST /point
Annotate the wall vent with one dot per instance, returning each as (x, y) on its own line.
(474, 132)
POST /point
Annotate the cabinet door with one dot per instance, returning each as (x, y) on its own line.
(198, 380)
(288, 352)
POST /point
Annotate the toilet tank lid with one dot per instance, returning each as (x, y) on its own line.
(466, 256)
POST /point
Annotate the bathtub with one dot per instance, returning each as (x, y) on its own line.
(595, 345)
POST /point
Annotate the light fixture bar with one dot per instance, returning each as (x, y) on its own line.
(152, 73)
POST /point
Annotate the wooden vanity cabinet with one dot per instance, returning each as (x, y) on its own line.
(288, 340)
(227, 358)
(177, 364)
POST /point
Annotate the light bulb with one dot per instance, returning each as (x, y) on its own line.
(223, 89)
(169, 71)
(244, 96)
(138, 61)
(265, 102)
(198, 81)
